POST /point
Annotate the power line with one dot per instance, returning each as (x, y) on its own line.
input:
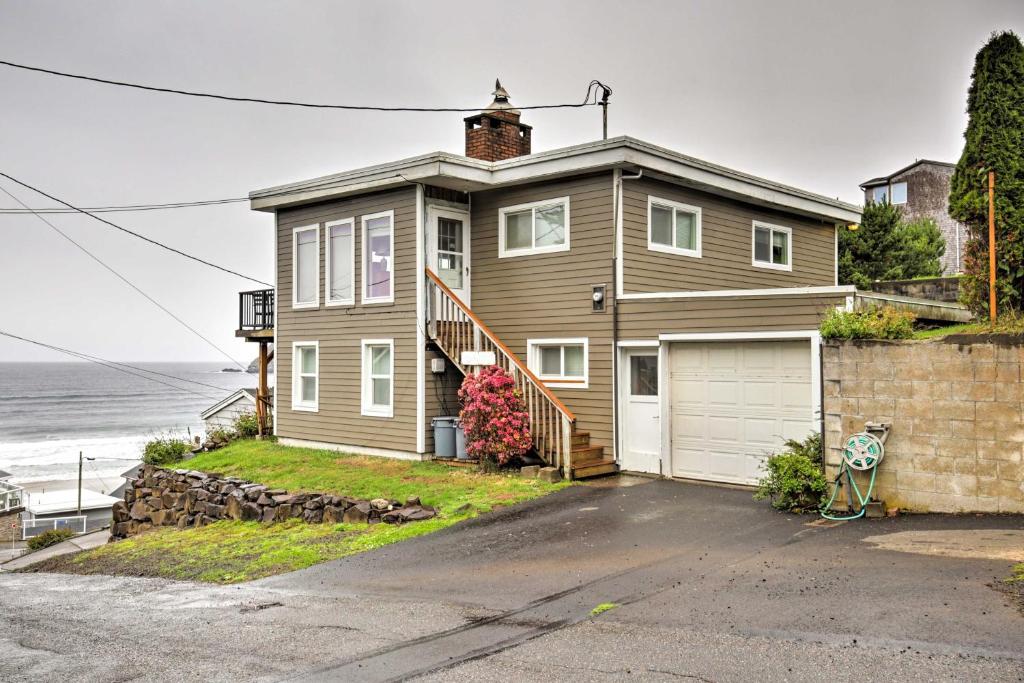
(591, 91)
(106, 364)
(128, 282)
(123, 229)
(128, 207)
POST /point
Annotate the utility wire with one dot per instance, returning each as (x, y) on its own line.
(126, 281)
(129, 207)
(591, 91)
(106, 364)
(122, 229)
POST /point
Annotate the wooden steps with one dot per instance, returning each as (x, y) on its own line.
(589, 460)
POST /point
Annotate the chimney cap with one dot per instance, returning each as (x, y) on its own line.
(501, 99)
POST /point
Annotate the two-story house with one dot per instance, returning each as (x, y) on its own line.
(659, 312)
(922, 190)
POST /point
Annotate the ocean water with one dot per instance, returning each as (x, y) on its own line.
(51, 411)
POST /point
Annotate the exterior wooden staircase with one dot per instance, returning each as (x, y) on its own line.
(455, 329)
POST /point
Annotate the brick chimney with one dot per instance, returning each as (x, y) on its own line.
(496, 134)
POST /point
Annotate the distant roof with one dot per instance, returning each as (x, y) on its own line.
(66, 500)
(465, 174)
(5, 475)
(249, 394)
(884, 180)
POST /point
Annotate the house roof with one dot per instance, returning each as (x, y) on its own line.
(5, 475)
(884, 180)
(66, 500)
(239, 395)
(465, 174)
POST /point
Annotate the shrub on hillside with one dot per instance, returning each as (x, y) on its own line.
(246, 425)
(165, 450)
(494, 416)
(48, 538)
(871, 323)
(794, 480)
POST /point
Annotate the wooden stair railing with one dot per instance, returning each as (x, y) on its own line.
(456, 329)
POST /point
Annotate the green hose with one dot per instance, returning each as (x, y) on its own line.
(846, 469)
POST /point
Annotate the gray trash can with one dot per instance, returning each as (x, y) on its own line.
(444, 436)
(460, 442)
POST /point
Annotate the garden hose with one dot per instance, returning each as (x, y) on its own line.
(862, 453)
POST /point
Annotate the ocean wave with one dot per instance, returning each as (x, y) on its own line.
(58, 458)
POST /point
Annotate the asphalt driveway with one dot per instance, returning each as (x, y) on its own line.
(707, 584)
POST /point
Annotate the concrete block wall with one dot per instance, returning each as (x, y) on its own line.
(957, 439)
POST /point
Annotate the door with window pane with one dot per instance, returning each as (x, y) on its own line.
(448, 249)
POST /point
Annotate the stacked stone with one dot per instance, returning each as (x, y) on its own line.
(189, 498)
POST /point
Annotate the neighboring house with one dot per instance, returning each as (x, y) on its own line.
(130, 474)
(51, 509)
(222, 415)
(922, 189)
(660, 313)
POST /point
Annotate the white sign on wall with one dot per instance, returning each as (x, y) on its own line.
(478, 358)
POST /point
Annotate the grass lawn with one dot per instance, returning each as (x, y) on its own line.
(230, 552)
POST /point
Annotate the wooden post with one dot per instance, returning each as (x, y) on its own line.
(992, 247)
(261, 391)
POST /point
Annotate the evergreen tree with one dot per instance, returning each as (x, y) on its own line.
(885, 247)
(918, 252)
(994, 140)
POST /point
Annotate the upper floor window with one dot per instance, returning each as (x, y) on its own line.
(535, 228)
(378, 260)
(880, 194)
(773, 246)
(306, 376)
(306, 267)
(896, 193)
(378, 377)
(899, 193)
(560, 362)
(341, 280)
(673, 227)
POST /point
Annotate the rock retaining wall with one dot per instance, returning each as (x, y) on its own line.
(955, 405)
(188, 498)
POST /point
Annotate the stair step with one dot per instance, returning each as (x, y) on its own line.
(580, 439)
(587, 453)
(594, 468)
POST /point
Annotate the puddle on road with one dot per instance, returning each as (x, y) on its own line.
(988, 544)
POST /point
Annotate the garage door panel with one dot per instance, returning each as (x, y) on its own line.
(733, 403)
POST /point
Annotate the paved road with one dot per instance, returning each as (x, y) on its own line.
(710, 586)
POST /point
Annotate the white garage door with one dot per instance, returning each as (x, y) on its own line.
(733, 403)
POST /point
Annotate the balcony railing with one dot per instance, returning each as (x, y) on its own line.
(256, 310)
(11, 497)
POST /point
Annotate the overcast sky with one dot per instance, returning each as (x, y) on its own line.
(821, 95)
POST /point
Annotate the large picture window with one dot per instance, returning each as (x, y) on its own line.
(378, 257)
(306, 267)
(378, 377)
(535, 228)
(672, 227)
(773, 246)
(559, 362)
(341, 282)
(306, 376)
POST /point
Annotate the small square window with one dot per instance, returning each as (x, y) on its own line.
(559, 362)
(536, 228)
(772, 246)
(672, 227)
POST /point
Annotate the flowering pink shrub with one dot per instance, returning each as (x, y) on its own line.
(494, 416)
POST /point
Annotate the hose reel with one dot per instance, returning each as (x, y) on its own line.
(862, 452)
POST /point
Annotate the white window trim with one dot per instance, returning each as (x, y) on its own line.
(788, 266)
(906, 192)
(297, 403)
(504, 211)
(368, 408)
(328, 301)
(533, 362)
(295, 268)
(675, 206)
(390, 299)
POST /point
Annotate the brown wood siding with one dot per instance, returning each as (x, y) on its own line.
(649, 318)
(339, 330)
(549, 295)
(725, 261)
(442, 393)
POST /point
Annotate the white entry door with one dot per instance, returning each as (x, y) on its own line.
(734, 403)
(448, 249)
(640, 411)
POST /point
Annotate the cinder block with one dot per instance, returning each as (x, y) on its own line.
(955, 447)
(921, 482)
(953, 410)
(912, 408)
(973, 391)
(1004, 451)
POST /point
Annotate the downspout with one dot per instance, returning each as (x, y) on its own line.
(617, 286)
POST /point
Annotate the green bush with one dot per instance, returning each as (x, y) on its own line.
(882, 322)
(48, 538)
(246, 425)
(794, 480)
(165, 450)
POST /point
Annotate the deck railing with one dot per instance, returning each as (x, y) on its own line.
(256, 310)
(34, 527)
(11, 496)
(456, 330)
